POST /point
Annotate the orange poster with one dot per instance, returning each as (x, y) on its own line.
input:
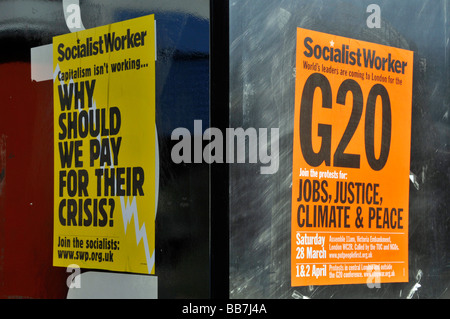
(351, 158)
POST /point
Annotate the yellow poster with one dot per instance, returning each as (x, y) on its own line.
(351, 157)
(104, 147)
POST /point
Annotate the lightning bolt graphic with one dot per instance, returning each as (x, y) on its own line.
(129, 211)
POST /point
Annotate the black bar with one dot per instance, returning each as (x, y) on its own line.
(219, 118)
